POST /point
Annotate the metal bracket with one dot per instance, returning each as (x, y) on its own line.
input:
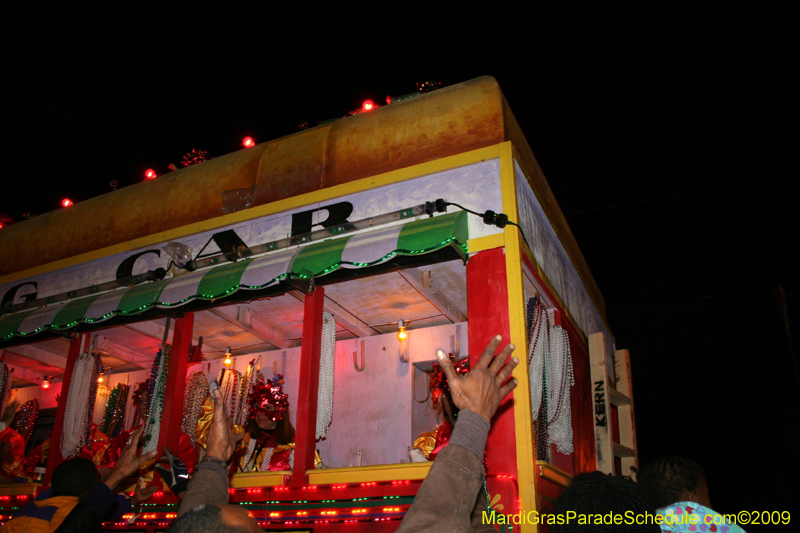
(363, 361)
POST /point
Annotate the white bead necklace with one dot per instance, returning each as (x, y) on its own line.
(73, 434)
(326, 375)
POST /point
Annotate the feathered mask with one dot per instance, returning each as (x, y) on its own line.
(269, 393)
(438, 381)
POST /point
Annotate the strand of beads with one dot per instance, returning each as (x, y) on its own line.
(326, 375)
(5, 391)
(537, 352)
(113, 398)
(128, 410)
(156, 403)
(242, 407)
(248, 456)
(560, 424)
(96, 371)
(121, 410)
(196, 391)
(267, 458)
(73, 435)
(100, 405)
(26, 418)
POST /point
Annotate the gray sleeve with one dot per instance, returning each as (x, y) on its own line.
(450, 497)
(208, 486)
(470, 432)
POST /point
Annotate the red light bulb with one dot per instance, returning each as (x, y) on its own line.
(368, 105)
(66, 202)
(150, 174)
(248, 142)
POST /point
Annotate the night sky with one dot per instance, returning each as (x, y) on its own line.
(669, 138)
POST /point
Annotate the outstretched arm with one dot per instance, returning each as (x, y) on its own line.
(209, 485)
(447, 498)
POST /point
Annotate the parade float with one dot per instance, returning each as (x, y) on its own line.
(339, 258)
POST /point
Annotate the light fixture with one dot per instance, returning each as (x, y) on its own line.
(45, 383)
(248, 142)
(102, 377)
(228, 361)
(401, 331)
(180, 253)
(150, 174)
(66, 202)
(368, 105)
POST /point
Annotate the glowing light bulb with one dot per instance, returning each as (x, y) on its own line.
(45, 383)
(150, 174)
(248, 142)
(401, 331)
(66, 202)
(228, 361)
(368, 105)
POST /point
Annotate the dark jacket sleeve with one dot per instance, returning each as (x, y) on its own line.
(208, 486)
(451, 498)
(87, 516)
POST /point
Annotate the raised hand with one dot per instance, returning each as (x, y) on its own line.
(482, 389)
(128, 463)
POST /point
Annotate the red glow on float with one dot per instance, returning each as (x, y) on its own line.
(66, 202)
(248, 142)
(368, 105)
(150, 174)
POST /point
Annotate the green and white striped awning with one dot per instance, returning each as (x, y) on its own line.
(312, 261)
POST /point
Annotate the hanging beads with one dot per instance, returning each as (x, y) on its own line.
(326, 375)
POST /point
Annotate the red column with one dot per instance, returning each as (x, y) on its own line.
(55, 458)
(487, 301)
(305, 438)
(176, 383)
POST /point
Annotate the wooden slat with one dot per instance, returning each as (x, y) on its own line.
(617, 398)
(627, 421)
(602, 406)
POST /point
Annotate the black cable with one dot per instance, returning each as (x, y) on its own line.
(492, 219)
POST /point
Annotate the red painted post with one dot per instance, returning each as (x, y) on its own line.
(172, 412)
(487, 301)
(305, 437)
(55, 458)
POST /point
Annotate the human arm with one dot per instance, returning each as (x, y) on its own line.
(209, 485)
(458, 469)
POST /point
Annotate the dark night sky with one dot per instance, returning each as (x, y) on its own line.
(669, 138)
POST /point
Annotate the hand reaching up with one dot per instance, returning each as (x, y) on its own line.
(482, 389)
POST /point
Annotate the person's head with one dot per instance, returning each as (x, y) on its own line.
(284, 431)
(269, 410)
(141, 399)
(668, 480)
(74, 477)
(216, 519)
(598, 493)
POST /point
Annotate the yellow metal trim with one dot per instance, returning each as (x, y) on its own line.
(516, 309)
(365, 184)
(363, 474)
(19, 489)
(488, 242)
(553, 474)
(259, 479)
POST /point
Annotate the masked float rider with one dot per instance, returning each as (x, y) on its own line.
(429, 444)
(268, 444)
